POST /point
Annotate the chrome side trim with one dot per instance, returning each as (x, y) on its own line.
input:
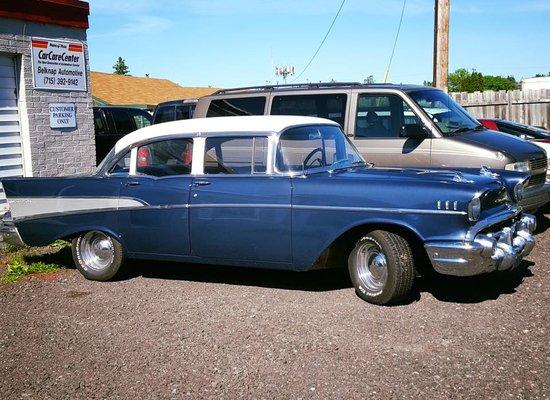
(25, 207)
(239, 205)
(379, 209)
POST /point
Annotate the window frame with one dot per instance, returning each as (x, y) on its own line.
(390, 106)
(135, 148)
(417, 110)
(266, 99)
(269, 155)
(345, 94)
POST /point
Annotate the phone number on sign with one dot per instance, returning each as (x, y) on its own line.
(60, 81)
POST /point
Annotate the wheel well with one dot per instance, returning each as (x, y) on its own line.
(336, 255)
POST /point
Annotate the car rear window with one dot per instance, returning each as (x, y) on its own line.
(236, 106)
(331, 106)
(164, 114)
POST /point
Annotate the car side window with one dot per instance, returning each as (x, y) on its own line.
(164, 114)
(236, 106)
(165, 158)
(99, 122)
(382, 116)
(122, 167)
(184, 112)
(141, 118)
(124, 123)
(235, 155)
(331, 106)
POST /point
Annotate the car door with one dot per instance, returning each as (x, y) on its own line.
(378, 121)
(238, 210)
(161, 182)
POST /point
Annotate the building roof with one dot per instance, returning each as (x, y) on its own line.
(245, 126)
(71, 13)
(113, 89)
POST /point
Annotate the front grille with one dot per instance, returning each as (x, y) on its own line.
(539, 163)
(495, 198)
(535, 180)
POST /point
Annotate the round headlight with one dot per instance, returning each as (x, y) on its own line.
(519, 190)
(474, 209)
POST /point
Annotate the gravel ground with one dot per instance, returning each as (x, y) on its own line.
(190, 331)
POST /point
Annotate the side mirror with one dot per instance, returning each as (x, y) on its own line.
(414, 131)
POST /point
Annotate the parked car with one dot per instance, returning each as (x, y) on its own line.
(272, 192)
(112, 123)
(394, 125)
(536, 135)
(174, 110)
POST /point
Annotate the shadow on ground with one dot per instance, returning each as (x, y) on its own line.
(317, 281)
(543, 222)
(444, 288)
(474, 289)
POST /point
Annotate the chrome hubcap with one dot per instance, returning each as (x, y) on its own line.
(97, 251)
(372, 266)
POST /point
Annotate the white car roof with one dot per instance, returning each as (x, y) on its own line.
(246, 125)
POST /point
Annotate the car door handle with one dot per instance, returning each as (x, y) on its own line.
(132, 183)
(201, 183)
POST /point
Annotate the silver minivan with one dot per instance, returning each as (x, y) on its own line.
(395, 126)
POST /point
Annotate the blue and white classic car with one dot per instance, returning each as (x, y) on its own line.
(272, 192)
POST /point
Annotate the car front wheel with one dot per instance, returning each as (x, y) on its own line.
(97, 255)
(381, 267)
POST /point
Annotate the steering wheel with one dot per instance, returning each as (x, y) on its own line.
(310, 156)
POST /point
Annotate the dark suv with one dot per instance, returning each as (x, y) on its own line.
(112, 123)
(174, 110)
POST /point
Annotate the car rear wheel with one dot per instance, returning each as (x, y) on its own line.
(381, 267)
(97, 255)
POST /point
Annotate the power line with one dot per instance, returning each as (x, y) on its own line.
(395, 41)
(322, 42)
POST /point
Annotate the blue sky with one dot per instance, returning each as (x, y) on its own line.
(226, 43)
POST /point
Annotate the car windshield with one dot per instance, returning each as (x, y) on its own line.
(448, 115)
(316, 148)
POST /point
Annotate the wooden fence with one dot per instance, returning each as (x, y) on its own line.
(531, 107)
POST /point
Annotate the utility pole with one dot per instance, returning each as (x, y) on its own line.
(441, 44)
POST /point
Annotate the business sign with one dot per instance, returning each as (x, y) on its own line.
(62, 115)
(58, 65)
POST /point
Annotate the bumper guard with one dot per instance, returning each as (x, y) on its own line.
(486, 252)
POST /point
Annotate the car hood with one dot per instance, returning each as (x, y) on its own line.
(512, 146)
(451, 177)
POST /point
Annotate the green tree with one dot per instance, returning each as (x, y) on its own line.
(463, 80)
(120, 67)
(498, 82)
(456, 80)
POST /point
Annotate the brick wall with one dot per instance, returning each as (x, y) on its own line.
(54, 152)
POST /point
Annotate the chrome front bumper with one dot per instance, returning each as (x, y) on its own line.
(486, 252)
(9, 231)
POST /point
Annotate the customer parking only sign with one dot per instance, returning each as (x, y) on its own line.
(58, 65)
